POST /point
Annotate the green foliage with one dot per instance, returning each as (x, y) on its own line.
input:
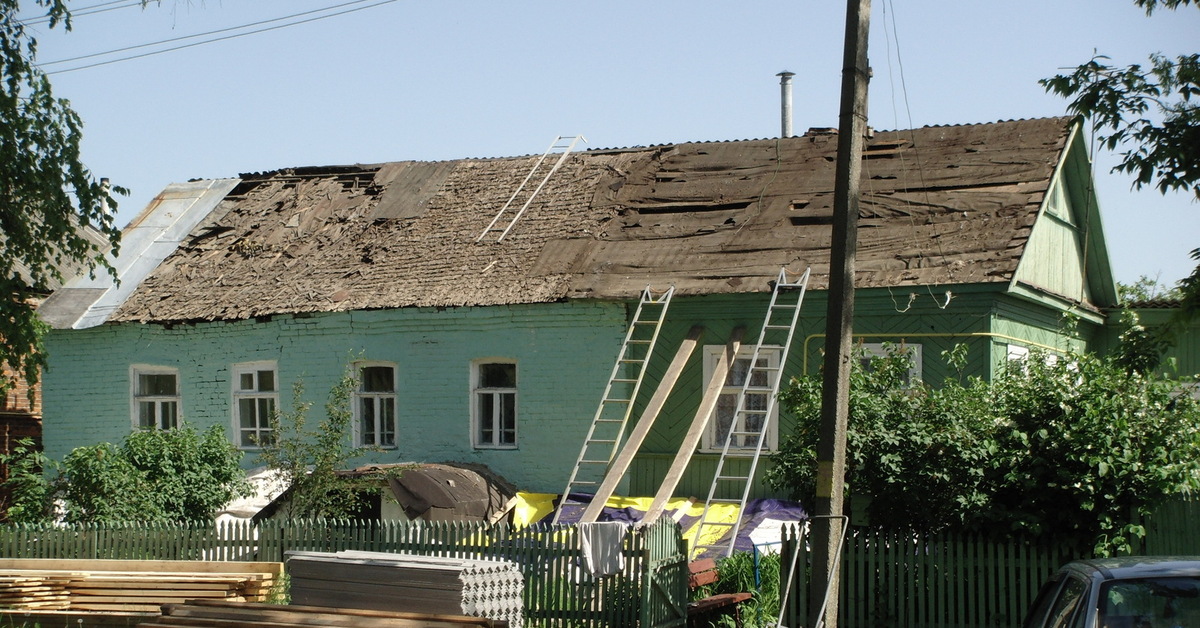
(1123, 103)
(1151, 5)
(156, 475)
(192, 474)
(101, 485)
(307, 459)
(901, 435)
(47, 196)
(1154, 114)
(29, 492)
(1085, 447)
(1075, 448)
(1140, 350)
(1146, 289)
(740, 573)
(171, 475)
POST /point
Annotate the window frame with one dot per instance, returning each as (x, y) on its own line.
(378, 398)
(881, 349)
(238, 395)
(136, 399)
(709, 441)
(477, 440)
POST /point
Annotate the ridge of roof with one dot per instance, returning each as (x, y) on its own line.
(712, 217)
(359, 167)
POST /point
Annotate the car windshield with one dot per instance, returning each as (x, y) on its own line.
(1150, 603)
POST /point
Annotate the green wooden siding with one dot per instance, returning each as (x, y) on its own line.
(1182, 358)
(1054, 256)
(982, 317)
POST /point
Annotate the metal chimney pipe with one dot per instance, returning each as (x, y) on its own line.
(785, 94)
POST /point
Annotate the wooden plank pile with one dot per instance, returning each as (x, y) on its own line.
(401, 582)
(251, 615)
(34, 591)
(129, 586)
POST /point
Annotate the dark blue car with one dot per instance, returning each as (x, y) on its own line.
(1128, 592)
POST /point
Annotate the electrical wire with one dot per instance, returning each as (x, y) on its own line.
(184, 37)
(88, 10)
(890, 18)
(216, 39)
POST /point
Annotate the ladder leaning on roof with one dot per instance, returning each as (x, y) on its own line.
(747, 433)
(561, 143)
(616, 405)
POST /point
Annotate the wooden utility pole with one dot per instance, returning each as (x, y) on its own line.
(839, 317)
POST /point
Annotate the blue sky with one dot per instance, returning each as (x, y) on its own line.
(429, 80)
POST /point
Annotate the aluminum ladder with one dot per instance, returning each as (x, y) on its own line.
(562, 143)
(747, 433)
(616, 405)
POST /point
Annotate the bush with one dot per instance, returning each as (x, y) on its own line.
(155, 475)
(1077, 448)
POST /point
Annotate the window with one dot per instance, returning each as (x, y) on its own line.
(494, 402)
(255, 395)
(1020, 355)
(758, 397)
(1016, 353)
(375, 406)
(155, 397)
(871, 350)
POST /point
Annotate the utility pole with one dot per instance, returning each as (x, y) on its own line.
(839, 317)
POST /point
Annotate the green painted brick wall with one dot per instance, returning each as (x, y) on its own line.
(564, 354)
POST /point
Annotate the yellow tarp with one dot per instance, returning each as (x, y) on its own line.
(533, 507)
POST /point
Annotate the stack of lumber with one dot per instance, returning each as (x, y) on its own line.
(407, 583)
(128, 586)
(34, 591)
(248, 615)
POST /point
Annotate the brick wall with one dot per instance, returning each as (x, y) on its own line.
(564, 353)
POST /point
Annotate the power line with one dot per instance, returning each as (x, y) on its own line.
(184, 37)
(88, 10)
(216, 39)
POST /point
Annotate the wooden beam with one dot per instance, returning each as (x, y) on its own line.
(699, 422)
(620, 464)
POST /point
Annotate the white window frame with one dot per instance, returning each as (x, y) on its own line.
(379, 401)
(711, 440)
(1016, 353)
(881, 349)
(262, 423)
(497, 393)
(136, 399)
(1022, 353)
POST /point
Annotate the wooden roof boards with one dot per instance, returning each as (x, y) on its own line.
(940, 205)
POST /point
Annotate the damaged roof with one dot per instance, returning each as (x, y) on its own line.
(940, 205)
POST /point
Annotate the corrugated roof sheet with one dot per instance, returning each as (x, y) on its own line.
(940, 205)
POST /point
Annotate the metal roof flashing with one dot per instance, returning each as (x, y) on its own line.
(87, 301)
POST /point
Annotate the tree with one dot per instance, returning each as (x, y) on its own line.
(307, 459)
(1145, 289)
(155, 475)
(1074, 448)
(1151, 112)
(47, 196)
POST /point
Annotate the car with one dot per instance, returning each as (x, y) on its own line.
(1125, 592)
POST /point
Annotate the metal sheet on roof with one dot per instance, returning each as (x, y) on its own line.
(88, 301)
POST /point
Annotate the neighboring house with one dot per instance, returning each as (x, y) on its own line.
(495, 351)
(21, 402)
(1182, 357)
